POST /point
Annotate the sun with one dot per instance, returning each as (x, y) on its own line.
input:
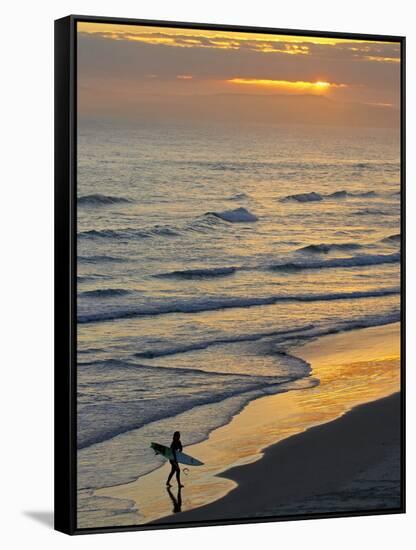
(289, 86)
(322, 84)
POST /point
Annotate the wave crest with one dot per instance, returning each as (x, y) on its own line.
(392, 238)
(371, 212)
(238, 215)
(314, 196)
(329, 247)
(100, 259)
(199, 273)
(355, 261)
(129, 233)
(303, 197)
(105, 292)
(97, 199)
(214, 304)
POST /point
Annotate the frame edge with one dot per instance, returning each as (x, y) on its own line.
(65, 163)
(64, 505)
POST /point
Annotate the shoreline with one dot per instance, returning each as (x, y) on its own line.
(325, 469)
(353, 368)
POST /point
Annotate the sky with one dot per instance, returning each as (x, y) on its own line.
(188, 74)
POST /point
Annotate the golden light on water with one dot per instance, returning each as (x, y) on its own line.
(299, 86)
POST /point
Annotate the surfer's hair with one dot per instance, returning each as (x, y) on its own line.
(176, 435)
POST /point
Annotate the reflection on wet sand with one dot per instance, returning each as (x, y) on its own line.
(177, 501)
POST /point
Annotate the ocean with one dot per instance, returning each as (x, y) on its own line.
(204, 254)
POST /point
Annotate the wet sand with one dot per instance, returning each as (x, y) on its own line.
(324, 470)
(318, 454)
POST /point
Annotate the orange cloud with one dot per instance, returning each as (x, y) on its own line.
(382, 59)
(227, 40)
(295, 86)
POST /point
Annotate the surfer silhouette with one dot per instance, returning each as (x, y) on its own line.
(175, 446)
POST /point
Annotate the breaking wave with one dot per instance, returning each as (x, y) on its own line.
(325, 248)
(198, 273)
(105, 292)
(392, 238)
(213, 304)
(238, 215)
(100, 259)
(371, 212)
(355, 261)
(97, 199)
(129, 233)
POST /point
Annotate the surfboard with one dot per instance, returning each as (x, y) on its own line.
(182, 458)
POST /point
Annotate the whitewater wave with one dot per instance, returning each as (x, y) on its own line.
(355, 261)
(281, 338)
(129, 233)
(162, 352)
(97, 199)
(367, 321)
(213, 304)
(107, 419)
(201, 224)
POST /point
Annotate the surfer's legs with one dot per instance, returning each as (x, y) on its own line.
(178, 476)
(172, 471)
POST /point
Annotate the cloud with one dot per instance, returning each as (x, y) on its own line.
(119, 67)
(293, 86)
(100, 55)
(264, 43)
(215, 42)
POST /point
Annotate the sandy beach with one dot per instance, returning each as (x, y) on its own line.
(331, 447)
(350, 464)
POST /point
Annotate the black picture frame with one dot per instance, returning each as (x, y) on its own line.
(65, 267)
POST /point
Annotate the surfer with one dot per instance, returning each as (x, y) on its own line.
(176, 445)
